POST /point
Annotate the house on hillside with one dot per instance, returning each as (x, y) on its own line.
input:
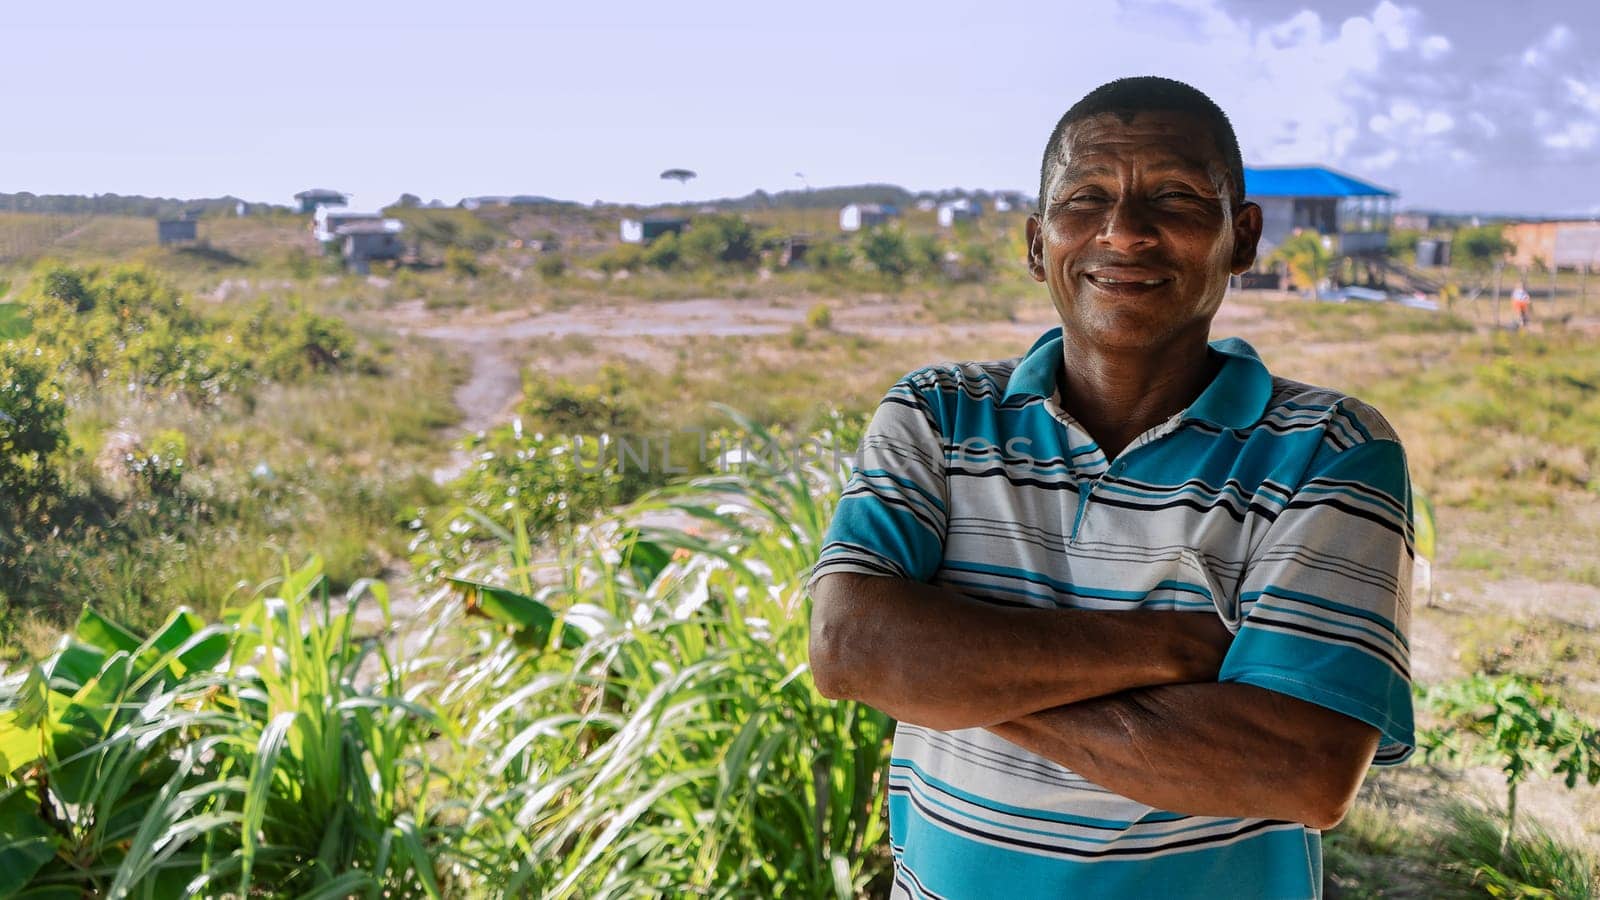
(643, 231)
(1571, 244)
(962, 210)
(325, 223)
(176, 231)
(366, 240)
(310, 201)
(1352, 215)
(858, 216)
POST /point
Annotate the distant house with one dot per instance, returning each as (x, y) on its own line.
(1352, 216)
(637, 231)
(857, 216)
(962, 210)
(309, 201)
(367, 239)
(175, 231)
(1571, 244)
(325, 222)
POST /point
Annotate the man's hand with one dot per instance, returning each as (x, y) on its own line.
(935, 658)
(1210, 750)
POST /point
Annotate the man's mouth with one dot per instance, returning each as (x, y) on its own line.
(1102, 279)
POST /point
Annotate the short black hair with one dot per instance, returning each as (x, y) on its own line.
(1150, 93)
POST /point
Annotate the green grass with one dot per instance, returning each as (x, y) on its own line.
(664, 739)
(1535, 865)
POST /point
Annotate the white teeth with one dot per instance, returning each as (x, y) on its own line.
(1103, 280)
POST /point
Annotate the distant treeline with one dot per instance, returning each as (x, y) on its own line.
(835, 197)
(116, 204)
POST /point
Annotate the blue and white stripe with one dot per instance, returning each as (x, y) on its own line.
(1285, 508)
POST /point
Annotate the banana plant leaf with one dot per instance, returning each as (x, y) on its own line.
(532, 621)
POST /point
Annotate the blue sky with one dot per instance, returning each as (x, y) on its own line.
(1456, 105)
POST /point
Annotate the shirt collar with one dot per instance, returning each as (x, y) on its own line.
(1236, 398)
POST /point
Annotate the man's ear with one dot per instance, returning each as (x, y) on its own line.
(1246, 235)
(1035, 232)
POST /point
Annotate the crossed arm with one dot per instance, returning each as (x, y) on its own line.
(1129, 700)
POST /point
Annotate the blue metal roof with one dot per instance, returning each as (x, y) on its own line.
(1307, 181)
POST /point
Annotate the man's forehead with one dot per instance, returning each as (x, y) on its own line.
(1164, 139)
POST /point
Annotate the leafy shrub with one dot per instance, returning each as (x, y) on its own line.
(157, 465)
(621, 258)
(125, 325)
(33, 438)
(664, 252)
(719, 239)
(926, 253)
(1512, 721)
(830, 256)
(819, 317)
(550, 266)
(461, 262)
(887, 252)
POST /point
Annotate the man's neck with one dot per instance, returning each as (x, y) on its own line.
(1118, 395)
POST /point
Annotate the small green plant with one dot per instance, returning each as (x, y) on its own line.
(819, 317)
(1511, 721)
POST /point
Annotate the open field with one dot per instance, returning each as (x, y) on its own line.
(363, 464)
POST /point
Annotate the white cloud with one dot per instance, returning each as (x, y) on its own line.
(1576, 136)
(1434, 46)
(1554, 41)
(1383, 93)
(1585, 95)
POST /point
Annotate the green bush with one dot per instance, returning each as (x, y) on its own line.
(124, 325)
(721, 239)
(551, 266)
(621, 258)
(33, 439)
(887, 252)
(830, 256)
(461, 263)
(664, 252)
(819, 317)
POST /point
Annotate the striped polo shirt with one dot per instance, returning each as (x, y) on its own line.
(1282, 507)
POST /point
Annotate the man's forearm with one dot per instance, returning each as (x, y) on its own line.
(933, 657)
(1209, 749)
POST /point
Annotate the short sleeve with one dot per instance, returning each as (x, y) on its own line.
(891, 516)
(1326, 594)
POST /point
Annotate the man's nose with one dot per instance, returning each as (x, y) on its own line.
(1128, 226)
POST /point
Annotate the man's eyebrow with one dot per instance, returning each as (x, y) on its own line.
(1172, 165)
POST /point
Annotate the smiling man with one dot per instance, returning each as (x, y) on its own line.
(1138, 606)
